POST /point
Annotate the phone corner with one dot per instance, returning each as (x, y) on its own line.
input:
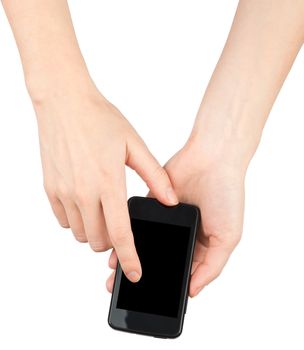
(132, 198)
(198, 215)
(175, 335)
(110, 323)
(198, 211)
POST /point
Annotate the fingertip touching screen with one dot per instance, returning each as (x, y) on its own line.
(162, 250)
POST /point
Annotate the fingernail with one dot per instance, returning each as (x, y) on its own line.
(172, 196)
(133, 276)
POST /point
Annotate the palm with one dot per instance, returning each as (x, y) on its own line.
(219, 194)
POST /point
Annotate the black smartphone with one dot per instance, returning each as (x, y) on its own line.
(164, 238)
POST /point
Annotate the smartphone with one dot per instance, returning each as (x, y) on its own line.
(164, 238)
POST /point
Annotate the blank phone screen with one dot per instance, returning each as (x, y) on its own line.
(162, 250)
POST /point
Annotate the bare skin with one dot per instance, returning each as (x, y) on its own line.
(85, 141)
(77, 124)
(210, 169)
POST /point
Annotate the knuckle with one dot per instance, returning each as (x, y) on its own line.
(158, 172)
(216, 274)
(79, 234)
(105, 174)
(81, 195)
(119, 236)
(63, 224)
(108, 185)
(99, 246)
(63, 192)
(212, 275)
(233, 241)
(80, 238)
(105, 177)
(49, 190)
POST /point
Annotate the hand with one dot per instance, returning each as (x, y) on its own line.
(85, 143)
(217, 188)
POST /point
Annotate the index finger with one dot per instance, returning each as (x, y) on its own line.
(117, 218)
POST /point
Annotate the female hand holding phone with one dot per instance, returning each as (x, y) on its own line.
(86, 142)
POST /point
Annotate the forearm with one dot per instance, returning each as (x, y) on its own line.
(48, 46)
(263, 42)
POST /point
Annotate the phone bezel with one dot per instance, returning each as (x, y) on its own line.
(150, 209)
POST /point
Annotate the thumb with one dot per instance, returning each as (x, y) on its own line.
(155, 176)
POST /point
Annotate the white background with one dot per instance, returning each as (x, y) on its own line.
(153, 60)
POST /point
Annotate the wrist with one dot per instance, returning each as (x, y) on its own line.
(220, 142)
(53, 86)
